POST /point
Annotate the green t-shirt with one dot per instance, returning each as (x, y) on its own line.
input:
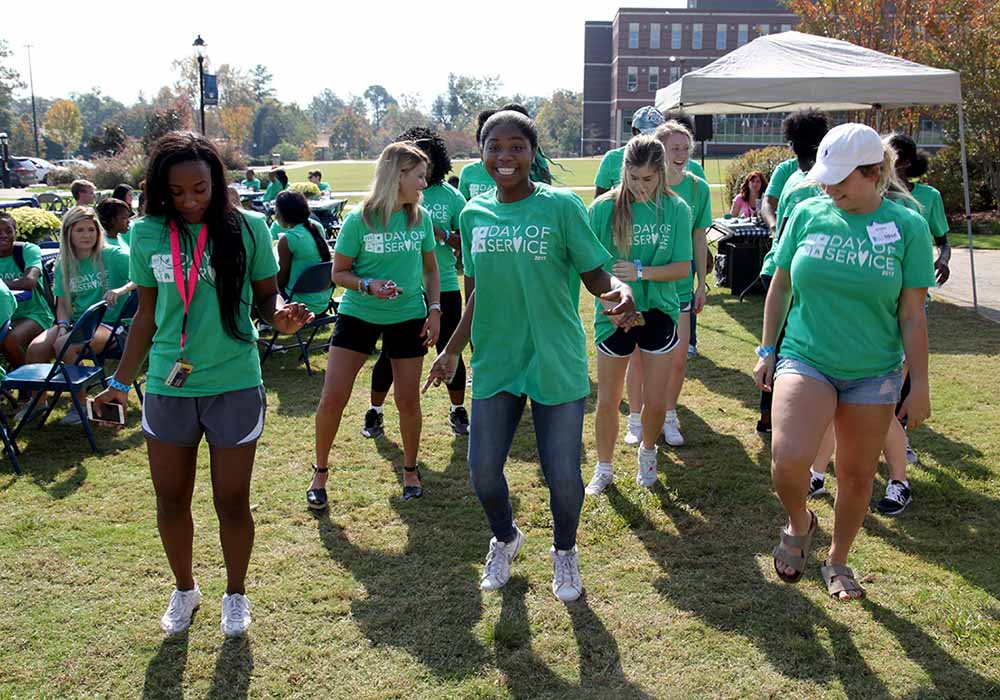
(127, 236)
(276, 230)
(251, 184)
(933, 208)
(791, 185)
(848, 271)
(393, 252)
(659, 237)
(36, 308)
(88, 286)
(609, 172)
(474, 180)
(791, 197)
(272, 191)
(780, 176)
(8, 305)
(221, 363)
(696, 192)
(445, 203)
(324, 186)
(302, 246)
(527, 335)
(118, 242)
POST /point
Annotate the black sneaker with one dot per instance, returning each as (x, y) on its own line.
(459, 421)
(373, 424)
(897, 498)
(817, 486)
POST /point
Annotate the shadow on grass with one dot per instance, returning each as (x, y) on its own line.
(233, 670)
(165, 672)
(601, 673)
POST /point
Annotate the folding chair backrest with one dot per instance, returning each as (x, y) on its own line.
(83, 330)
(129, 308)
(3, 330)
(314, 278)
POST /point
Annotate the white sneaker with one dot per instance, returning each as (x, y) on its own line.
(646, 475)
(496, 572)
(672, 430)
(692, 351)
(71, 418)
(235, 614)
(566, 584)
(633, 434)
(182, 605)
(601, 480)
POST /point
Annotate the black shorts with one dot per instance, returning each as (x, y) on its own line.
(657, 337)
(399, 340)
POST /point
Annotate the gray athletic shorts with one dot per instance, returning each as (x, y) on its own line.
(226, 420)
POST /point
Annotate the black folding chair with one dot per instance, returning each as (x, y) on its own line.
(315, 278)
(60, 377)
(115, 347)
(9, 443)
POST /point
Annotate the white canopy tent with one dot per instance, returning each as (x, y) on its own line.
(789, 71)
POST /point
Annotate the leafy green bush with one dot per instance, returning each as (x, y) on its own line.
(231, 156)
(762, 159)
(35, 224)
(65, 176)
(309, 189)
(945, 174)
(288, 151)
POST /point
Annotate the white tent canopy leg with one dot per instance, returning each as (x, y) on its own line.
(968, 205)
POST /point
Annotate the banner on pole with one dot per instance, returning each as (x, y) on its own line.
(211, 93)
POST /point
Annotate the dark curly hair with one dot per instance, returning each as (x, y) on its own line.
(430, 142)
(804, 130)
(917, 161)
(225, 224)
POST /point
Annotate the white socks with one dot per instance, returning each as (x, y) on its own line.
(377, 409)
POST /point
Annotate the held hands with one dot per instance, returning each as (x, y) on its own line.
(291, 317)
(384, 289)
(916, 407)
(624, 306)
(625, 271)
(443, 370)
(432, 328)
(699, 299)
(763, 373)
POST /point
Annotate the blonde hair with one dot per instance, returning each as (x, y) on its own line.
(67, 256)
(671, 127)
(395, 160)
(641, 150)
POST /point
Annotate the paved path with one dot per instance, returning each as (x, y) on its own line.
(958, 289)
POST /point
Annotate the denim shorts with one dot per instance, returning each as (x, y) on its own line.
(883, 389)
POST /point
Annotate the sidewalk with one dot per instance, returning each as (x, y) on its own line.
(958, 289)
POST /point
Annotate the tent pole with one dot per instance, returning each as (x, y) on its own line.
(968, 207)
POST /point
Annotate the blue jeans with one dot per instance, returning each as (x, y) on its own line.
(558, 436)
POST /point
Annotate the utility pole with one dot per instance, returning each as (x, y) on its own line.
(34, 111)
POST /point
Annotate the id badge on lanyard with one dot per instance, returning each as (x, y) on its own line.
(182, 369)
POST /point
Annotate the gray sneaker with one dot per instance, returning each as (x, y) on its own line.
(911, 454)
(182, 605)
(566, 583)
(496, 572)
(601, 480)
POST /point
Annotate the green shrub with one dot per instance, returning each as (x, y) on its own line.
(945, 174)
(762, 159)
(65, 176)
(35, 225)
(309, 189)
(288, 151)
(231, 156)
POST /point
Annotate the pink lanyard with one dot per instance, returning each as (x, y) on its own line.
(186, 292)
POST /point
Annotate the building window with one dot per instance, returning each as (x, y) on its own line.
(696, 30)
(654, 78)
(763, 29)
(633, 79)
(675, 73)
(675, 35)
(744, 31)
(626, 132)
(633, 35)
(786, 27)
(654, 36)
(720, 37)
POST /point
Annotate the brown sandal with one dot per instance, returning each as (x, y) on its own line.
(782, 553)
(841, 579)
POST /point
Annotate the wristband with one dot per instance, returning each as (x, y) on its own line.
(64, 324)
(638, 269)
(436, 306)
(763, 351)
(118, 386)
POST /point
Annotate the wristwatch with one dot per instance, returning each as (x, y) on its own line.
(764, 350)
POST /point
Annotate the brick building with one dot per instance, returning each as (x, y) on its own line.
(629, 58)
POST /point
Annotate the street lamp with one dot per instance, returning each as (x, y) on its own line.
(34, 112)
(199, 50)
(4, 157)
(674, 61)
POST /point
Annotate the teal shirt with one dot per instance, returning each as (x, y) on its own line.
(527, 336)
(8, 305)
(221, 363)
(36, 308)
(87, 285)
(847, 277)
(272, 191)
(780, 176)
(251, 184)
(445, 203)
(324, 186)
(609, 172)
(660, 236)
(932, 208)
(698, 196)
(793, 195)
(474, 180)
(304, 253)
(387, 252)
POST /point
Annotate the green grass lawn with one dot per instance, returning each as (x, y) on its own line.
(982, 241)
(378, 598)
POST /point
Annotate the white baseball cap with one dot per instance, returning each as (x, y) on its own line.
(843, 149)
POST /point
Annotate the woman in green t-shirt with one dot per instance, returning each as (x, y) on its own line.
(302, 246)
(201, 266)
(384, 259)
(21, 271)
(278, 183)
(647, 229)
(525, 245)
(115, 216)
(444, 203)
(852, 273)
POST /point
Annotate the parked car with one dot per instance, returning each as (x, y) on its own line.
(78, 162)
(22, 172)
(42, 168)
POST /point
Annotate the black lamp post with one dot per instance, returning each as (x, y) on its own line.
(34, 112)
(199, 50)
(4, 158)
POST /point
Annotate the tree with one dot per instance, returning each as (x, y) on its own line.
(324, 107)
(10, 81)
(560, 123)
(261, 78)
(350, 135)
(108, 143)
(275, 122)
(237, 123)
(64, 125)
(380, 100)
(159, 122)
(236, 86)
(97, 111)
(465, 97)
